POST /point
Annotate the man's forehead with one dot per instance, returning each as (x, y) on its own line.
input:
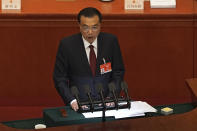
(90, 20)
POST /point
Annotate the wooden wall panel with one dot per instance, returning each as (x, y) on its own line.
(195, 47)
(195, 39)
(158, 57)
(157, 47)
(27, 60)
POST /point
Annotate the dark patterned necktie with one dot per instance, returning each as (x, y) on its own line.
(92, 59)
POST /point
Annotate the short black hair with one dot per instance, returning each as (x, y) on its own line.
(89, 12)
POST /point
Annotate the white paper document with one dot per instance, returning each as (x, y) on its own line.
(163, 3)
(138, 108)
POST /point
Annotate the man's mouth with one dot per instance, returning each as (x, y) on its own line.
(90, 37)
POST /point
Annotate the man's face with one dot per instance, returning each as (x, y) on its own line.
(89, 27)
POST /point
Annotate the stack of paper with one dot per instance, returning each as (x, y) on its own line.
(163, 3)
(138, 108)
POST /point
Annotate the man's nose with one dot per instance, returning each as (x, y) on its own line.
(90, 31)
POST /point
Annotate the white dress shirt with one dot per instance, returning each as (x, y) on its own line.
(87, 48)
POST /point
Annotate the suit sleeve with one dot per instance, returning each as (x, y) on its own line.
(60, 75)
(118, 69)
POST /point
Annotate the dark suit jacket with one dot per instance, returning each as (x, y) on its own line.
(72, 66)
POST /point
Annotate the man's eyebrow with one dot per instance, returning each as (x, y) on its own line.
(96, 25)
(84, 25)
(92, 25)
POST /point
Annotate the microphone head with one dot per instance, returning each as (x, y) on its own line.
(74, 90)
(87, 89)
(112, 86)
(124, 85)
(99, 87)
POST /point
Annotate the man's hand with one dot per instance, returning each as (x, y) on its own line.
(110, 104)
(84, 107)
(74, 106)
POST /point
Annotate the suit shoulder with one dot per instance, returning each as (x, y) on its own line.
(108, 35)
(71, 39)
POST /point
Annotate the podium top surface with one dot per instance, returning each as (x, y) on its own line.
(56, 115)
(53, 117)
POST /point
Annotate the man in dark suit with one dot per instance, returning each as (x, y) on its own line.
(88, 58)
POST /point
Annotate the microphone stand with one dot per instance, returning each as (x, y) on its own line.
(128, 100)
(103, 116)
(112, 88)
(124, 86)
(75, 92)
(99, 88)
(78, 102)
(91, 103)
(115, 99)
(87, 90)
(104, 107)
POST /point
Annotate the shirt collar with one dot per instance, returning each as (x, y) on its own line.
(86, 43)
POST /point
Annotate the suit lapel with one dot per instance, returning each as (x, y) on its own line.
(84, 56)
(99, 55)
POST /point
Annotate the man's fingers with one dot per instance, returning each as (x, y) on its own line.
(74, 106)
(84, 107)
(110, 104)
(107, 104)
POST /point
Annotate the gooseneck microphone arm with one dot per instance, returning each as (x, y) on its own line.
(112, 89)
(87, 91)
(124, 87)
(75, 92)
(99, 88)
(100, 104)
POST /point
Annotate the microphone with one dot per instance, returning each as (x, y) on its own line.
(87, 91)
(112, 88)
(75, 92)
(124, 87)
(99, 88)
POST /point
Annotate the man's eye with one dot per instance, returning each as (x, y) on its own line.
(94, 27)
(85, 27)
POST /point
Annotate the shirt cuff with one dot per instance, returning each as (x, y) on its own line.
(73, 101)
